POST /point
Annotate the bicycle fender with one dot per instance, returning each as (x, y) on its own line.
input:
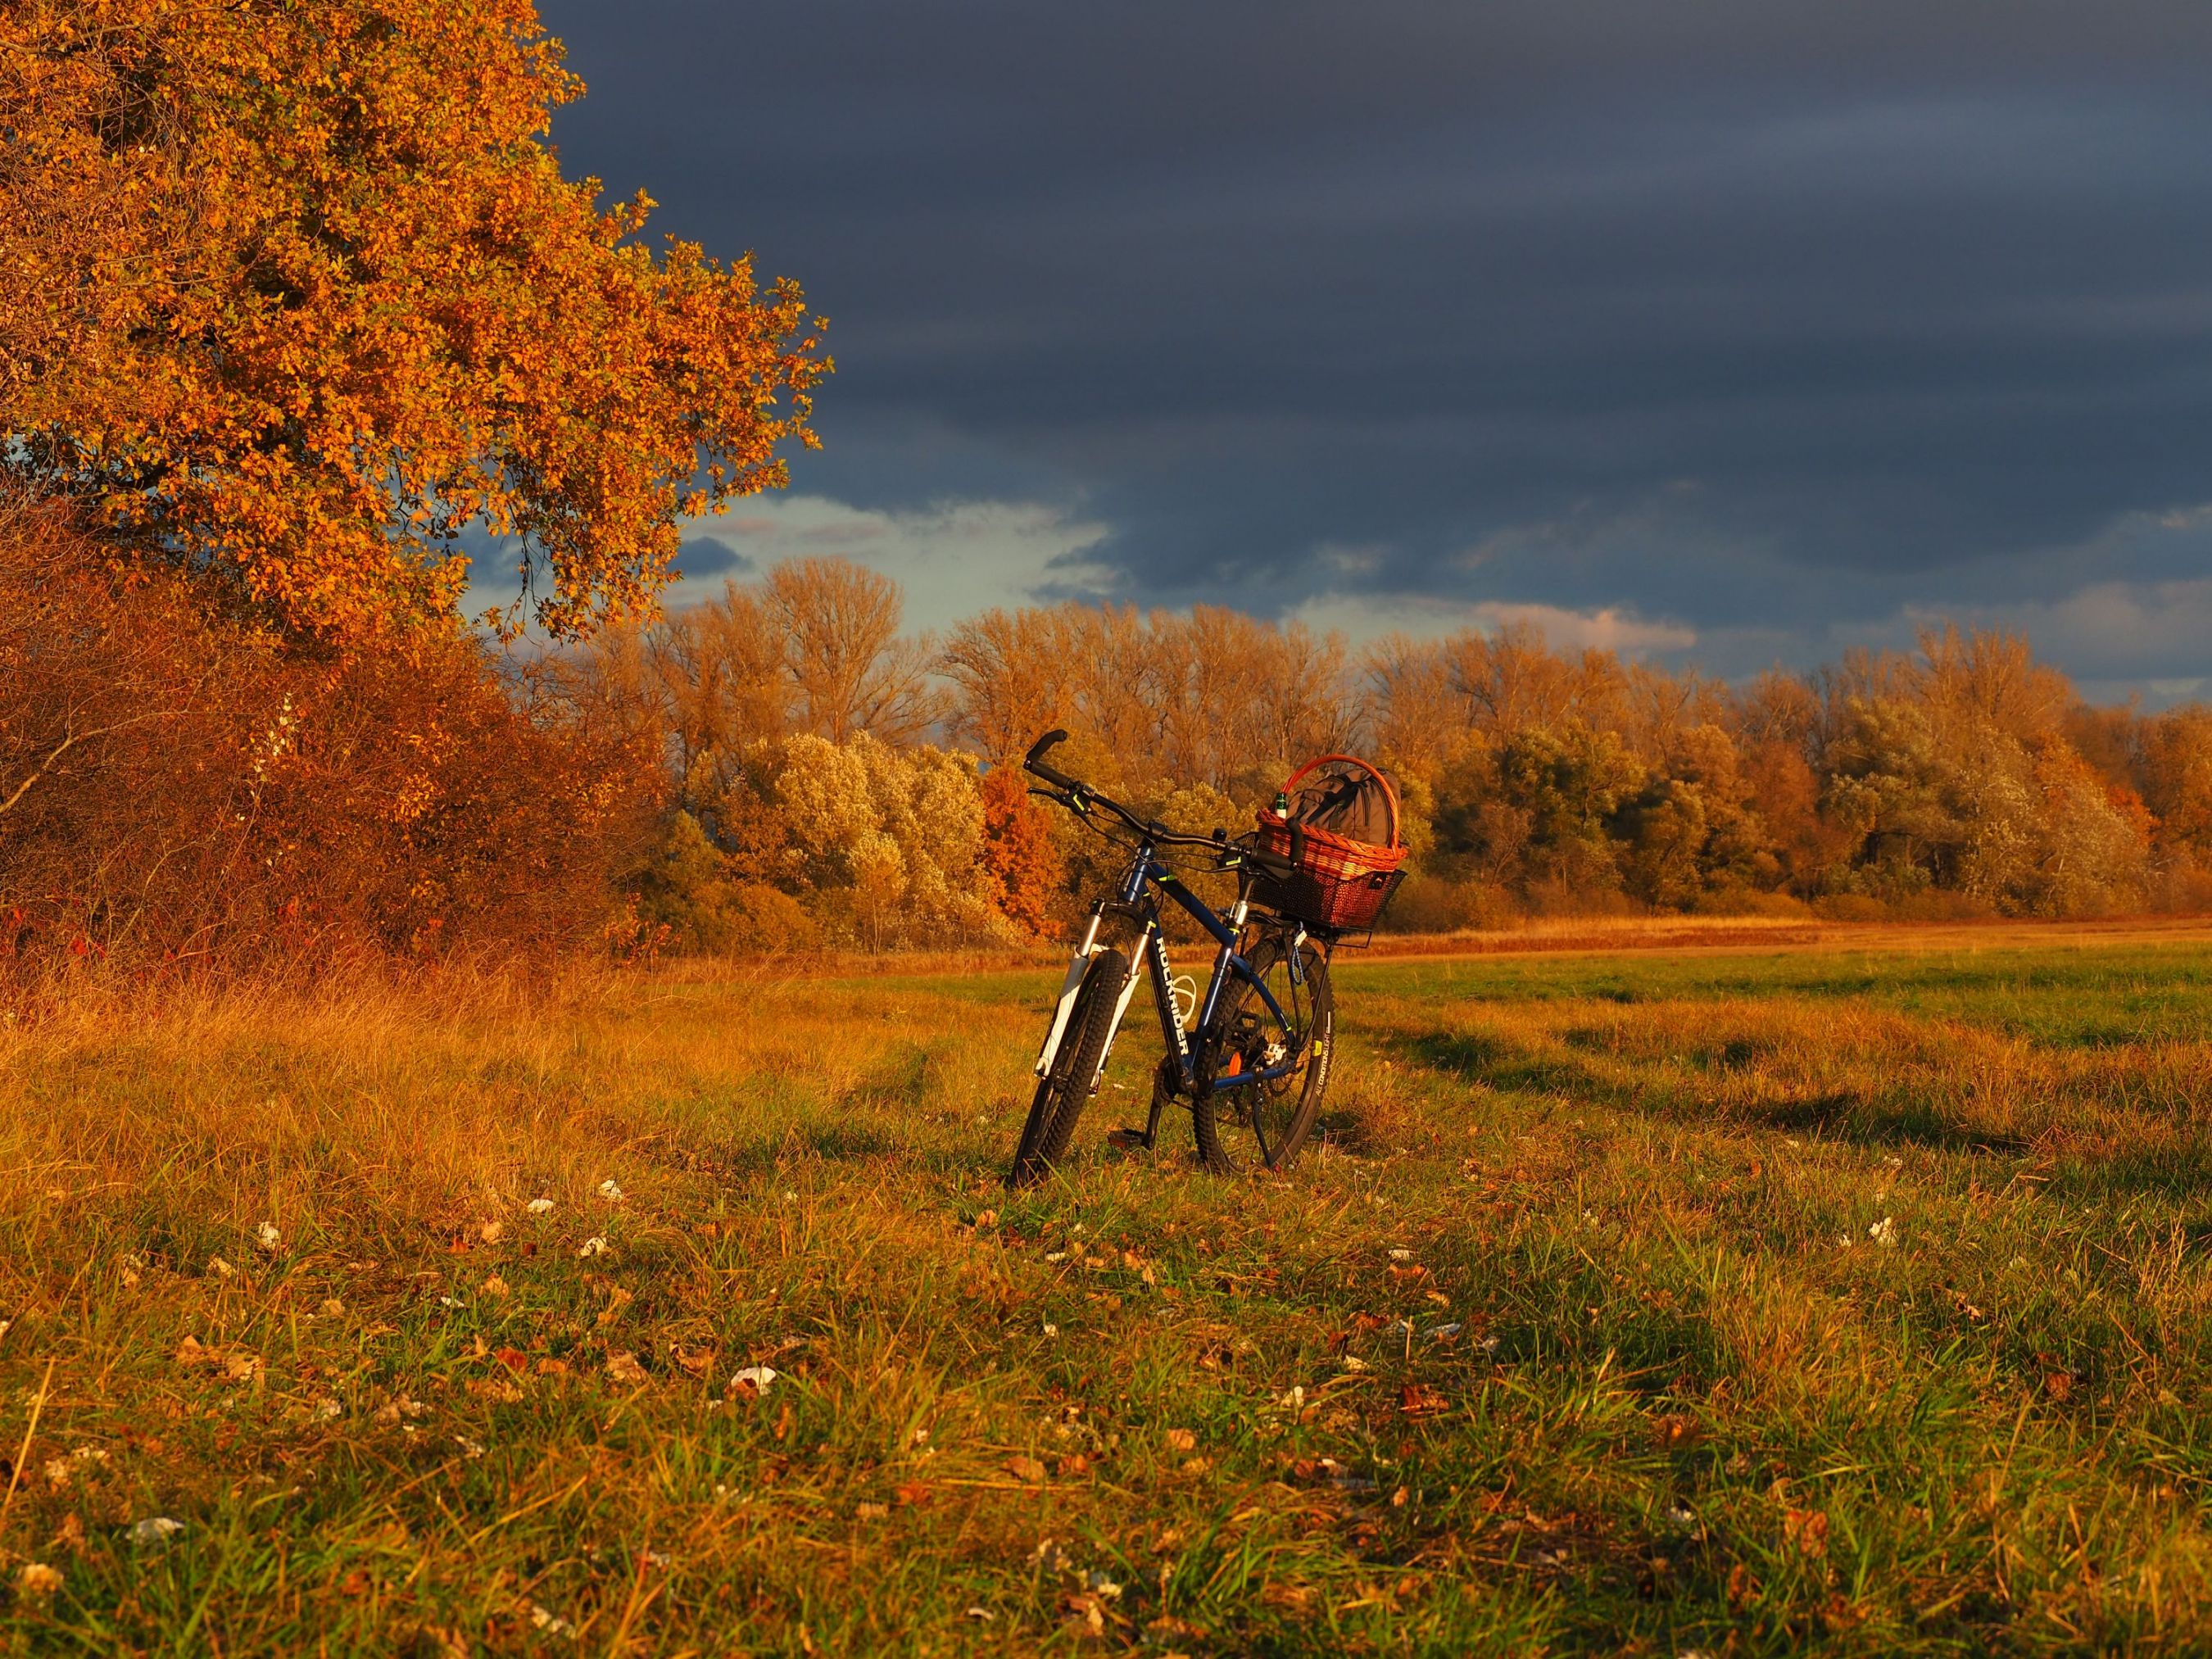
(1077, 966)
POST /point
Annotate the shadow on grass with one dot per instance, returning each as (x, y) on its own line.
(1844, 1114)
(1346, 1130)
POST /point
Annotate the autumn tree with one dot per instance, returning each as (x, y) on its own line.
(1021, 867)
(1010, 671)
(291, 294)
(850, 670)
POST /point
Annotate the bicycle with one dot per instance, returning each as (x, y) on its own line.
(1254, 1063)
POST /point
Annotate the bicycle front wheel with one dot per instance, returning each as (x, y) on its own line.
(1065, 1089)
(1267, 1123)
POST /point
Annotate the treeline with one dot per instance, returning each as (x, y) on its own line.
(824, 778)
(783, 768)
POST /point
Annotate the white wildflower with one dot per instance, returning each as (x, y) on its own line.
(154, 1530)
(539, 1206)
(1401, 1255)
(1884, 1233)
(609, 1191)
(592, 1246)
(268, 1238)
(758, 1378)
(551, 1623)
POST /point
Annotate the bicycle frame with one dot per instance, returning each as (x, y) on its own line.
(1138, 901)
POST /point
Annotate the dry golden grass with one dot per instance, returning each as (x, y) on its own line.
(1692, 1397)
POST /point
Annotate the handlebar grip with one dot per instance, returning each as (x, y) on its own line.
(1248, 851)
(1033, 762)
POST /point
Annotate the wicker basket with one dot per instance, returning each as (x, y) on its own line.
(1340, 884)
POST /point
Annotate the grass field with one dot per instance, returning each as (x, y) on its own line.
(1775, 1299)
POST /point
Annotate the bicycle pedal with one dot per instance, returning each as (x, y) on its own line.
(1135, 1140)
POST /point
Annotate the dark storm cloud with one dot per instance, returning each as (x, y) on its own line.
(1764, 317)
(705, 556)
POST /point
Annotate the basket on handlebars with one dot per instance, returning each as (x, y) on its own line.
(1336, 820)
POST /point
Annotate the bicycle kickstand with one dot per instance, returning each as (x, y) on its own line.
(1149, 1136)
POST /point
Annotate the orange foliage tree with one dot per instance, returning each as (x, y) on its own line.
(1020, 863)
(293, 291)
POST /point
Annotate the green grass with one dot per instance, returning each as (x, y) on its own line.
(1577, 1334)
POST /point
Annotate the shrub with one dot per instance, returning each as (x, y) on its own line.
(179, 789)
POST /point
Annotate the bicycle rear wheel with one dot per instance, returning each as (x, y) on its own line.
(1065, 1089)
(1268, 1123)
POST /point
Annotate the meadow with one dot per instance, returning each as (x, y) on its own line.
(1844, 1294)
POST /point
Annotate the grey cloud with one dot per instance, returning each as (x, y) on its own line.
(704, 556)
(1771, 318)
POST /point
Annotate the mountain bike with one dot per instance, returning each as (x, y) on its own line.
(1250, 1056)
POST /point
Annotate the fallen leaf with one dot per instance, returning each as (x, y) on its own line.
(1807, 1530)
(1420, 1400)
(622, 1367)
(1182, 1440)
(1026, 1468)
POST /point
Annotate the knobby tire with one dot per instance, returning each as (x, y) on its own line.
(1065, 1089)
(1221, 1154)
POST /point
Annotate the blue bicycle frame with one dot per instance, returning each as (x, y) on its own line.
(1138, 903)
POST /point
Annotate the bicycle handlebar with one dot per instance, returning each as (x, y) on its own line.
(1079, 793)
(1034, 762)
